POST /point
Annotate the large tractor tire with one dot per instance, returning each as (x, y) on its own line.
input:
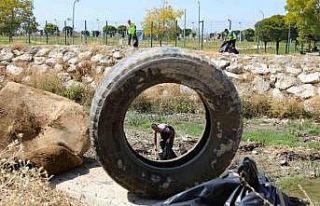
(212, 154)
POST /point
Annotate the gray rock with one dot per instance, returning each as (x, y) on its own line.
(304, 91)
(117, 55)
(64, 76)
(235, 68)
(258, 68)
(260, 85)
(56, 53)
(14, 70)
(285, 81)
(276, 93)
(73, 61)
(58, 67)
(6, 55)
(97, 58)
(310, 78)
(67, 56)
(294, 71)
(85, 55)
(87, 79)
(106, 71)
(39, 60)
(221, 63)
(17, 52)
(99, 70)
(43, 52)
(23, 58)
(51, 61)
(232, 75)
(72, 68)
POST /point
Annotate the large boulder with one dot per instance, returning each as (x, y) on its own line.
(51, 130)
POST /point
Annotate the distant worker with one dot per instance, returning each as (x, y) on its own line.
(229, 44)
(167, 139)
(132, 34)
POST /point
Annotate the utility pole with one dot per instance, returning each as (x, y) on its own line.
(199, 22)
(240, 31)
(185, 27)
(230, 24)
(202, 31)
(73, 13)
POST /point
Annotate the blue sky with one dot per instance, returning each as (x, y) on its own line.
(214, 12)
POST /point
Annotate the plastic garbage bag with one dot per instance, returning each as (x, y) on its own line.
(244, 187)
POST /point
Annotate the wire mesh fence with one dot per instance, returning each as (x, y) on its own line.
(113, 33)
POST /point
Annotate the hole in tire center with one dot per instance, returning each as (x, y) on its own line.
(173, 105)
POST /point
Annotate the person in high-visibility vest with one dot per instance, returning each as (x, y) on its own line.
(231, 38)
(132, 34)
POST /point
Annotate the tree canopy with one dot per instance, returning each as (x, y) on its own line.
(15, 15)
(249, 34)
(305, 14)
(51, 28)
(272, 29)
(164, 21)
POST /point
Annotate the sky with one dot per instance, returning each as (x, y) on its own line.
(215, 13)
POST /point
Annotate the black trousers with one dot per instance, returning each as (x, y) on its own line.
(134, 39)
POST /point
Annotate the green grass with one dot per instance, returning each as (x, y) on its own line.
(184, 125)
(244, 46)
(190, 124)
(287, 135)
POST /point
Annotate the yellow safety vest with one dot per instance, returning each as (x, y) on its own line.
(231, 36)
(131, 29)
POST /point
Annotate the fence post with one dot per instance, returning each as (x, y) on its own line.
(185, 27)
(202, 33)
(289, 40)
(151, 35)
(85, 32)
(176, 34)
(29, 31)
(106, 33)
(65, 32)
(46, 32)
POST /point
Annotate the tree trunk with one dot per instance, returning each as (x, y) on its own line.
(277, 47)
(265, 46)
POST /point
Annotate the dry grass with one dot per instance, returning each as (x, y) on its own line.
(17, 46)
(23, 184)
(265, 106)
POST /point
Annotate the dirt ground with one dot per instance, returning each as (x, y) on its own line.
(286, 166)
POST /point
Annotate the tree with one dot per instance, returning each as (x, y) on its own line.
(109, 29)
(188, 32)
(272, 29)
(122, 29)
(15, 15)
(68, 30)
(163, 20)
(249, 34)
(305, 14)
(51, 28)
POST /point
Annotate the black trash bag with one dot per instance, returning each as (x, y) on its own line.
(245, 187)
(226, 46)
(167, 152)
